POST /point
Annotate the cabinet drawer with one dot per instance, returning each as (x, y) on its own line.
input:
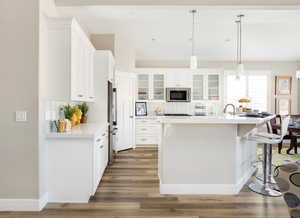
(147, 130)
(100, 138)
(146, 140)
(146, 122)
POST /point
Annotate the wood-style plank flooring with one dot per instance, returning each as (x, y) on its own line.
(130, 188)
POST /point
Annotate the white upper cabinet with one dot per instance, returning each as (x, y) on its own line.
(158, 90)
(198, 87)
(178, 78)
(204, 83)
(71, 57)
(151, 86)
(143, 87)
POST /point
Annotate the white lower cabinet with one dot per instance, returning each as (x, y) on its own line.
(76, 165)
(100, 159)
(147, 131)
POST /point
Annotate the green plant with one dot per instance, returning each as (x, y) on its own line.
(84, 108)
(69, 111)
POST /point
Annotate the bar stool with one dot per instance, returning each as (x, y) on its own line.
(268, 140)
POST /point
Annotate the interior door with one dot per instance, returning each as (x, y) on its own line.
(125, 83)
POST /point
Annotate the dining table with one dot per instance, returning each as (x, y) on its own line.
(294, 132)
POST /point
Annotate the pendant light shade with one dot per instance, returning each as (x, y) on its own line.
(193, 58)
(194, 62)
(240, 69)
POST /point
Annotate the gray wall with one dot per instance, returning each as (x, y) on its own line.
(19, 33)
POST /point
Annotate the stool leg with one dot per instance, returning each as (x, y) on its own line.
(270, 178)
(265, 188)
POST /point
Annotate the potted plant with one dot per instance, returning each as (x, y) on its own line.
(69, 112)
(84, 109)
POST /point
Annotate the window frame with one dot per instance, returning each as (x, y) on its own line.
(254, 72)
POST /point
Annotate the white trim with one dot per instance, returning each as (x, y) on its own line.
(24, 204)
(211, 189)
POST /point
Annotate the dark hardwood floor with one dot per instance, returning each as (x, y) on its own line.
(130, 188)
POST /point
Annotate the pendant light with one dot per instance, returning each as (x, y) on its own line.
(193, 59)
(240, 66)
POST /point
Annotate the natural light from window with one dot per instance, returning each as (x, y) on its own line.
(254, 87)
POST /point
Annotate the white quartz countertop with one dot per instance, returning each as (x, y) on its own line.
(225, 119)
(88, 130)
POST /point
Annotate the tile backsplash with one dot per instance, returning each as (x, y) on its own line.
(182, 108)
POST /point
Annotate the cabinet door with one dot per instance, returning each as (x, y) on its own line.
(143, 87)
(76, 65)
(158, 82)
(198, 87)
(213, 87)
(90, 88)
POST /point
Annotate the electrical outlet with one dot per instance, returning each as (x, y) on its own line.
(21, 116)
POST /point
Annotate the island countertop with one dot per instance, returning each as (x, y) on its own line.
(223, 119)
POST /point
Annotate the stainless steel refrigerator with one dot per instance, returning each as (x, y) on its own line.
(112, 120)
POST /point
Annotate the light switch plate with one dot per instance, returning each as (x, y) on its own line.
(21, 116)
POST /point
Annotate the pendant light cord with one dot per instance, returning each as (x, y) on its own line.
(193, 33)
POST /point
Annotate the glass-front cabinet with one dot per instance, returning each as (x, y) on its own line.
(158, 87)
(213, 87)
(204, 84)
(206, 87)
(198, 87)
(143, 86)
(151, 87)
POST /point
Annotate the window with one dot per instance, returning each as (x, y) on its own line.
(252, 86)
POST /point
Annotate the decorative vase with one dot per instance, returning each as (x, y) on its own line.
(74, 120)
(68, 125)
(83, 119)
(78, 114)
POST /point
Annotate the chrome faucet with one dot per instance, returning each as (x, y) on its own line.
(225, 108)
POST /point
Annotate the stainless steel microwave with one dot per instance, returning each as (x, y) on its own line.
(178, 94)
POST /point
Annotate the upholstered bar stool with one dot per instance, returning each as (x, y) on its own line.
(268, 140)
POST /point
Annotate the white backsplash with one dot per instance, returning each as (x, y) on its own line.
(182, 107)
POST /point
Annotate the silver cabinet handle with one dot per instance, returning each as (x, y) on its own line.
(101, 146)
(103, 134)
(98, 140)
(143, 129)
(143, 139)
(80, 95)
(91, 97)
(131, 117)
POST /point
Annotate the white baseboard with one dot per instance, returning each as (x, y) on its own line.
(24, 204)
(209, 189)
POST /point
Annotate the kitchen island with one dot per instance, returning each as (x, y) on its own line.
(207, 155)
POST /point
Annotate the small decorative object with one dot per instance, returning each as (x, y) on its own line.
(69, 113)
(74, 120)
(62, 126)
(53, 127)
(283, 85)
(78, 114)
(159, 111)
(141, 109)
(68, 125)
(283, 106)
(84, 109)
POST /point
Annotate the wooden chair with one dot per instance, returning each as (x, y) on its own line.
(294, 137)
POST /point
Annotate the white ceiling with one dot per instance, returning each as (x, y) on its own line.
(163, 33)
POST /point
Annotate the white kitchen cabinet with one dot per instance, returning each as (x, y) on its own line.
(206, 87)
(147, 131)
(76, 162)
(71, 57)
(100, 158)
(151, 87)
(178, 78)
